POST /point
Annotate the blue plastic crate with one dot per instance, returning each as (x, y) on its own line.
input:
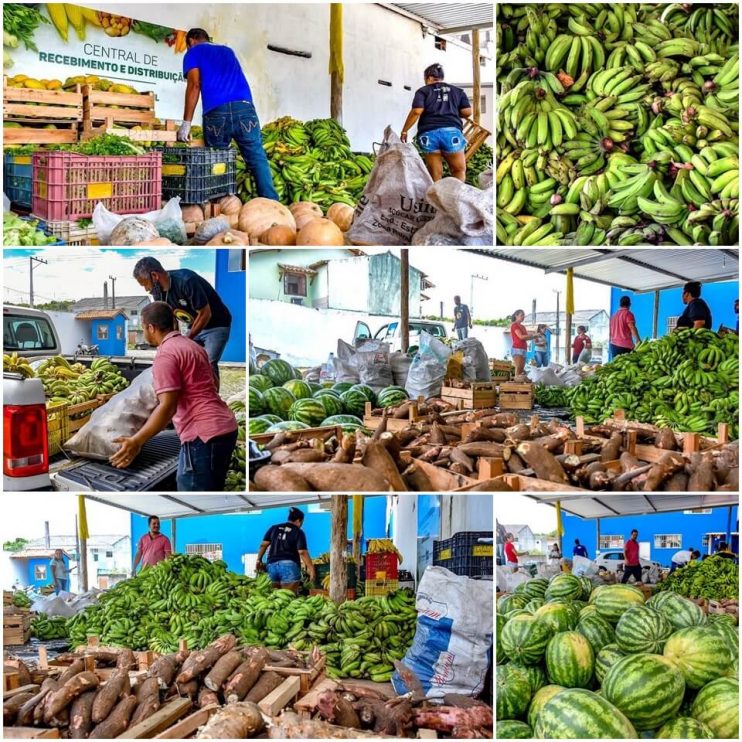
(41, 224)
(17, 178)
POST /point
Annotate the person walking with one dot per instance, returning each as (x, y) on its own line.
(579, 550)
(622, 332)
(696, 314)
(632, 566)
(214, 74)
(461, 318)
(153, 547)
(520, 337)
(582, 346)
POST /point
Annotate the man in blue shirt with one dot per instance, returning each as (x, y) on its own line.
(579, 549)
(213, 72)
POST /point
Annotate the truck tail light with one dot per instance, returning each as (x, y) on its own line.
(25, 441)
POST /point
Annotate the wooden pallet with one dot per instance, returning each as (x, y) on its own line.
(162, 721)
(30, 733)
(520, 483)
(184, 728)
(281, 696)
(514, 396)
(470, 395)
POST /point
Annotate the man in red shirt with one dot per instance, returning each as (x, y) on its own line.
(623, 330)
(186, 389)
(632, 565)
(153, 547)
(581, 344)
(519, 336)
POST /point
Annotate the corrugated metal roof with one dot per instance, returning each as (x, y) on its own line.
(100, 314)
(635, 269)
(607, 504)
(451, 17)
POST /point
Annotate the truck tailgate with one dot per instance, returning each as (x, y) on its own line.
(157, 462)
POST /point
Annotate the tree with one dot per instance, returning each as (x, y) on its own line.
(17, 544)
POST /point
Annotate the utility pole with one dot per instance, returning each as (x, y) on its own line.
(32, 266)
(113, 292)
(471, 290)
(558, 293)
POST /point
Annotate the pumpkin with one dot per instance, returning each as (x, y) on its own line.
(152, 243)
(229, 237)
(342, 215)
(260, 214)
(304, 217)
(320, 232)
(210, 228)
(192, 214)
(230, 205)
(306, 205)
(277, 235)
(132, 230)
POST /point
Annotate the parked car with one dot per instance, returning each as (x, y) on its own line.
(391, 332)
(612, 560)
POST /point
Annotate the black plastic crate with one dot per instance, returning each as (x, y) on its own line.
(17, 178)
(466, 553)
(198, 174)
(322, 570)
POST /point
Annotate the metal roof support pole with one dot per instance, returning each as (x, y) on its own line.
(656, 315)
(173, 533)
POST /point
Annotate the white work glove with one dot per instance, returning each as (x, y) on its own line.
(184, 132)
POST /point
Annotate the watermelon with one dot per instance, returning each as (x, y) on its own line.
(341, 386)
(524, 639)
(567, 587)
(596, 630)
(324, 391)
(613, 600)
(658, 599)
(534, 674)
(642, 630)
(536, 588)
(681, 612)
(587, 587)
(333, 405)
(349, 423)
(539, 699)
(366, 391)
(278, 371)
(278, 401)
(648, 688)
(684, 727)
(513, 693)
(315, 387)
(579, 714)
(258, 425)
(287, 425)
(392, 396)
(556, 616)
(520, 589)
(606, 658)
(717, 706)
(512, 729)
(500, 657)
(260, 382)
(300, 389)
(727, 618)
(252, 368)
(570, 660)
(256, 402)
(533, 605)
(734, 669)
(309, 411)
(355, 402)
(594, 594)
(728, 632)
(511, 601)
(588, 610)
(700, 653)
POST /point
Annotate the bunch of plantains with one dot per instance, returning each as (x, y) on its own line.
(618, 124)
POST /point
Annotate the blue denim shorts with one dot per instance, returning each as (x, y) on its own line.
(284, 572)
(448, 140)
(518, 352)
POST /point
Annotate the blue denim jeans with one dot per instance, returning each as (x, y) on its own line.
(462, 333)
(239, 121)
(60, 585)
(447, 139)
(202, 467)
(284, 572)
(542, 358)
(213, 341)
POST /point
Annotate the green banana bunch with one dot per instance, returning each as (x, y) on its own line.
(45, 627)
(665, 209)
(551, 396)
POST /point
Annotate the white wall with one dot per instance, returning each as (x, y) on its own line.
(348, 283)
(404, 532)
(70, 330)
(466, 513)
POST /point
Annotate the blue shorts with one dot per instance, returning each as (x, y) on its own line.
(284, 572)
(518, 352)
(448, 140)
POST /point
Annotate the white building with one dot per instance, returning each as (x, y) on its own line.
(524, 537)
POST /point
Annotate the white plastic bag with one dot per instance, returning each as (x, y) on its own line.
(52, 605)
(453, 636)
(583, 566)
(105, 221)
(476, 361)
(374, 368)
(428, 368)
(545, 376)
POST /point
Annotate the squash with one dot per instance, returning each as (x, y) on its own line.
(320, 232)
(304, 205)
(342, 215)
(132, 230)
(230, 237)
(210, 228)
(260, 214)
(304, 217)
(277, 235)
(230, 205)
(192, 214)
(157, 242)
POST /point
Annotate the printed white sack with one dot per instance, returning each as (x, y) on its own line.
(374, 367)
(453, 636)
(583, 566)
(476, 362)
(428, 368)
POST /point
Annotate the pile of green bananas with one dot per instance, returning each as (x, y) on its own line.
(688, 381)
(188, 597)
(49, 627)
(21, 600)
(14, 364)
(551, 396)
(74, 384)
(618, 124)
(309, 161)
(236, 478)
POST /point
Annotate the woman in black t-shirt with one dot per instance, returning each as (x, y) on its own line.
(440, 108)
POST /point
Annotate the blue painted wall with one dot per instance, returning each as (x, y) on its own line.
(33, 563)
(112, 346)
(719, 296)
(692, 527)
(231, 285)
(242, 533)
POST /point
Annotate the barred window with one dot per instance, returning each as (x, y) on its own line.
(668, 541)
(611, 542)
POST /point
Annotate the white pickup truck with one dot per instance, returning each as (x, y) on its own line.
(27, 465)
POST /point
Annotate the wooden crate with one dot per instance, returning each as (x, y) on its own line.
(30, 733)
(306, 676)
(501, 370)
(161, 721)
(529, 484)
(184, 728)
(470, 395)
(7, 597)
(393, 424)
(475, 136)
(516, 396)
(98, 108)
(16, 628)
(164, 132)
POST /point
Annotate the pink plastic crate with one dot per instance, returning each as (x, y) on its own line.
(67, 186)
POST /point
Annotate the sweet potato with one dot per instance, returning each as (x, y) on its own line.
(378, 459)
(189, 689)
(612, 449)
(75, 668)
(267, 683)
(164, 669)
(81, 715)
(203, 660)
(13, 705)
(459, 457)
(340, 477)
(482, 448)
(542, 462)
(519, 433)
(245, 676)
(221, 671)
(417, 479)
(273, 478)
(118, 720)
(668, 464)
(149, 687)
(335, 708)
(108, 695)
(701, 473)
(290, 726)
(346, 451)
(146, 706)
(26, 713)
(678, 482)
(67, 693)
(237, 721)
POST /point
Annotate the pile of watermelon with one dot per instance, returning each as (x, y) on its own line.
(278, 399)
(581, 662)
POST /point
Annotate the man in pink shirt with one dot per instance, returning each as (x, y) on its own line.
(623, 330)
(187, 394)
(153, 546)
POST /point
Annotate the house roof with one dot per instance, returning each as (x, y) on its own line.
(297, 269)
(35, 554)
(450, 18)
(122, 302)
(549, 318)
(61, 542)
(100, 314)
(515, 527)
